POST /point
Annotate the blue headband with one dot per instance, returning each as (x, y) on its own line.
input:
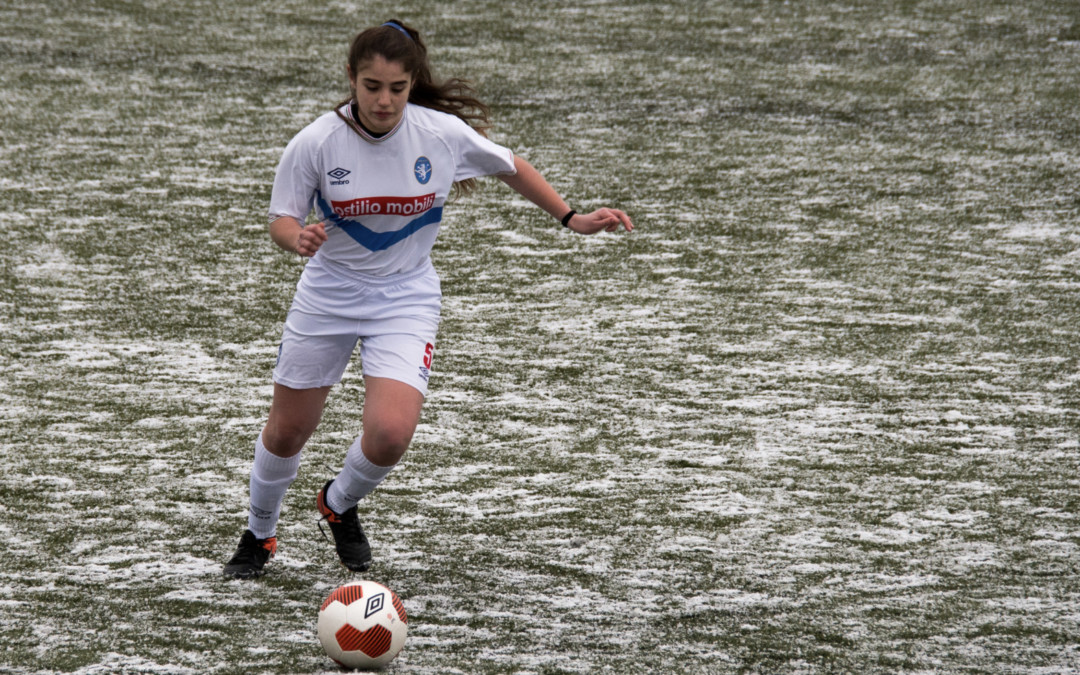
(398, 27)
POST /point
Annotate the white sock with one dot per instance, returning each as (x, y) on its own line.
(357, 479)
(271, 476)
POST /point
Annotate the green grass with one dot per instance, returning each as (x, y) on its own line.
(819, 413)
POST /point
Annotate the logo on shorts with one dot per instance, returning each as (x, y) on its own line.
(429, 353)
(422, 170)
(338, 175)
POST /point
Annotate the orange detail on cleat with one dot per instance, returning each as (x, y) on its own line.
(324, 509)
(270, 545)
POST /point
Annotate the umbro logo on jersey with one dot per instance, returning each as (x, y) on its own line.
(422, 170)
(338, 175)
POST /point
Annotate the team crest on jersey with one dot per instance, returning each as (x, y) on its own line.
(422, 170)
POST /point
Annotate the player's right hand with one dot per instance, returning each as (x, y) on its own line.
(311, 239)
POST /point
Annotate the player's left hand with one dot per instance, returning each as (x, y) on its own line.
(601, 219)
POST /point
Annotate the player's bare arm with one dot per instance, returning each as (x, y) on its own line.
(532, 186)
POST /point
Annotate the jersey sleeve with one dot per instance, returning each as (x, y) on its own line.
(297, 178)
(475, 155)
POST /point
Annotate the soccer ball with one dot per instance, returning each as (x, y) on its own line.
(362, 625)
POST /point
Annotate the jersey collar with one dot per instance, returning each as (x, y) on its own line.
(345, 113)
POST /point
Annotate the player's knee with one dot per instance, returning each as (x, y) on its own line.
(386, 444)
(286, 439)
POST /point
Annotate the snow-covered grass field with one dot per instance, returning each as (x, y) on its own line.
(820, 413)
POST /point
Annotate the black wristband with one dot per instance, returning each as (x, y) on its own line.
(567, 217)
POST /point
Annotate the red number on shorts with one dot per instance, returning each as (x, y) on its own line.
(429, 351)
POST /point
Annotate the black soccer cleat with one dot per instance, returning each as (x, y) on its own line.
(251, 556)
(352, 546)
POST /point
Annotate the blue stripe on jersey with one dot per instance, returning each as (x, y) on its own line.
(378, 241)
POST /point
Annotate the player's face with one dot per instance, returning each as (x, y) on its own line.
(382, 90)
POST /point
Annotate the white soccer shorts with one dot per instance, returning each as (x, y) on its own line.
(394, 318)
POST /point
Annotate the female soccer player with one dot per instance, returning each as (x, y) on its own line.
(377, 170)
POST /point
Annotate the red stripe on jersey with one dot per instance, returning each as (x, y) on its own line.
(384, 206)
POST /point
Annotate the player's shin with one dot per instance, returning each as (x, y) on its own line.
(271, 477)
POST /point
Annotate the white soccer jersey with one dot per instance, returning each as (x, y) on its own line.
(381, 198)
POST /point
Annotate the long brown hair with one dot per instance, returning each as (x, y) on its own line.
(398, 42)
